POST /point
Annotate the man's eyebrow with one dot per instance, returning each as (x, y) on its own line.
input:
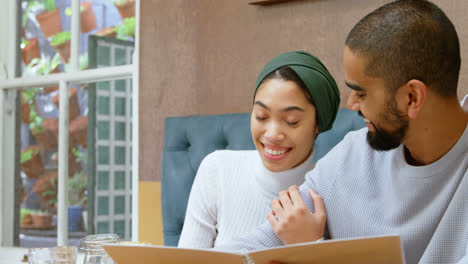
(355, 87)
(261, 104)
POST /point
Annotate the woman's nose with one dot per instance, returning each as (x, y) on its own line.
(274, 133)
(353, 103)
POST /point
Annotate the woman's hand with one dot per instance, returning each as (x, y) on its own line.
(292, 221)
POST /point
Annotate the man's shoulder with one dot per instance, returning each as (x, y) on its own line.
(354, 141)
(353, 150)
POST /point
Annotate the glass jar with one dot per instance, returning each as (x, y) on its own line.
(92, 246)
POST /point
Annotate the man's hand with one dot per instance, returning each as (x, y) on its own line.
(292, 221)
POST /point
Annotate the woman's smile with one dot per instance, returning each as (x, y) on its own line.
(275, 153)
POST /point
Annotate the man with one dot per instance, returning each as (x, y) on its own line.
(406, 173)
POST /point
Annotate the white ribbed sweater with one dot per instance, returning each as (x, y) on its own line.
(371, 193)
(231, 195)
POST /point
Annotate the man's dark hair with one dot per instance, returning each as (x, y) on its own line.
(409, 39)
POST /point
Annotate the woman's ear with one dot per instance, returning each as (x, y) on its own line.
(416, 97)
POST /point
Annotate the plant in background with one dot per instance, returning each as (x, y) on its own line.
(24, 212)
(24, 43)
(76, 189)
(122, 2)
(27, 96)
(49, 5)
(44, 66)
(36, 122)
(77, 185)
(68, 10)
(28, 154)
(83, 63)
(60, 38)
(51, 194)
(28, 7)
(126, 29)
(80, 156)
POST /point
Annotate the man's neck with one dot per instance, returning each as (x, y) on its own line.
(432, 136)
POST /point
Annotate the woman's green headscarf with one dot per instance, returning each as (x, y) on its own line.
(318, 81)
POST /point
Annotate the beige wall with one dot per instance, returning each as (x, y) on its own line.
(203, 56)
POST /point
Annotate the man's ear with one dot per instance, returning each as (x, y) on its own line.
(416, 97)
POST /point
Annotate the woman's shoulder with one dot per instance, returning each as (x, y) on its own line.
(223, 164)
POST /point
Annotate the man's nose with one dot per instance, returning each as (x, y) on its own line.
(352, 103)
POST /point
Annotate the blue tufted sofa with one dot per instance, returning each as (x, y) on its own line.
(188, 139)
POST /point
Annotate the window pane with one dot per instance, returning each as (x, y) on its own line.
(103, 180)
(45, 37)
(109, 110)
(106, 41)
(39, 164)
(103, 206)
(46, 34)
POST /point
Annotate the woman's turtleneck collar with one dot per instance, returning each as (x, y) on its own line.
(271, 183)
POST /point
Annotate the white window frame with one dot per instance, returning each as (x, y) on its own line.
(8, 87)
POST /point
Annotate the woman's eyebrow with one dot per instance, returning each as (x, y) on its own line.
(261, 104)
(292, 108)
(286, 109)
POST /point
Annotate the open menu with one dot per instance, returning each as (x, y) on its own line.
(383, 249)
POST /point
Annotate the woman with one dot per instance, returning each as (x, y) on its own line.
(295, 99)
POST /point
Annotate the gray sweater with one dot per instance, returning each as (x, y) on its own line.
(370, 193)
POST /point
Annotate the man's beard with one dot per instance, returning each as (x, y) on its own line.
(382, 140)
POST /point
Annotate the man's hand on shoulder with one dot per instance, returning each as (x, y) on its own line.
(292, 221)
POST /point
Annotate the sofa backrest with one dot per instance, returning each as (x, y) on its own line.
(188, 139)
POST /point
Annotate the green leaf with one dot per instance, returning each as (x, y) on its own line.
(36, 122)
(68, 10)
(27, 155)
(126, 29)
(60, 38)
(121, 2)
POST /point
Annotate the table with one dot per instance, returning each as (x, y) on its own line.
(14, 255)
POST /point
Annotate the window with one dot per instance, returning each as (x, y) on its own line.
(83, 71)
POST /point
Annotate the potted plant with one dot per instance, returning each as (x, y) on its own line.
(31, 162)
(87, 17)
(73, 164)
(27, 102)
(45, 131)
(49, 20)
(29, 47)
(45, 66)
(126, 29)
(29, 50)
(79, 130)
(126, 8)
(76, 198)
(74, 108)
(26, 220)
(61, 43)
(41, 219)
(46, 189)
(82, 61)
(106, 32)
